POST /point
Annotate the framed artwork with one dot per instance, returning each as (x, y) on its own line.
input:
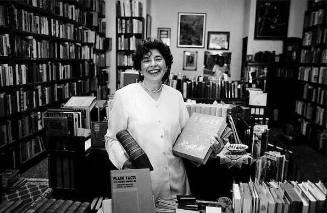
(218, 40)
(164, 35)
(190, 60)
(148, 25)
(271, 20)
(191, 29)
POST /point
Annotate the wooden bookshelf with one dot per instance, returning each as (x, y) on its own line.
(310, 104)
(130, 30)
(43, 62)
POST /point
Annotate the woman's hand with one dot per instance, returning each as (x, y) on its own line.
(128, 165)
(217, 146)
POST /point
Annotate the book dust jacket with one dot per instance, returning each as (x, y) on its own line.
(131, 191)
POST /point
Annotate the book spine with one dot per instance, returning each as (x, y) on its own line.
(83, 208)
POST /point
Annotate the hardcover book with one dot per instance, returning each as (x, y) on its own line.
(131, 191)
(194, 143)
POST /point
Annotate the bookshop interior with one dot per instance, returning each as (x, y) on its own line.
(250, 77)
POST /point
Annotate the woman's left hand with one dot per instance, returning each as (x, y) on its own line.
(217, 146)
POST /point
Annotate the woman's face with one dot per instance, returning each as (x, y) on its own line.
(153, 66)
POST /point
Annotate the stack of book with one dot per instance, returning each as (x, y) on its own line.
(71, 119)
(275, 197)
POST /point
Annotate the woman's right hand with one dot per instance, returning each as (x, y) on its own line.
(128, 165)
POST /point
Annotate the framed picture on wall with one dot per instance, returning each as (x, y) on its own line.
(218, 40)
(271, 20)
(164, 35)
(191, 29)
(190, 60)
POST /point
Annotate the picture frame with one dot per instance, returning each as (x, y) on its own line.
(190, 60)
(164, 35)
(218, 40)
(191, 29)
(271, 20)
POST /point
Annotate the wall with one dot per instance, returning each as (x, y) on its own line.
(235, 16)
(222, 15)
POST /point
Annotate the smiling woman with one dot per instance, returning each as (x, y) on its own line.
(154, 114)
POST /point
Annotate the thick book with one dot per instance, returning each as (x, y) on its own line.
(136, 154)
(131, 191)
(194, 142)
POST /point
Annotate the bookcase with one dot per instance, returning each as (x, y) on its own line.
(50, 50)
(284, 82)
(130, 30)
(310, 105)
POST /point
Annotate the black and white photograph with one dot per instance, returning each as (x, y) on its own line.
(163, 106)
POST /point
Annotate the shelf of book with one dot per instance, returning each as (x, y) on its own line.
(310, 104)
(50, 50)
(130, 30)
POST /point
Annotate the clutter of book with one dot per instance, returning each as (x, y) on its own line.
(82, 121)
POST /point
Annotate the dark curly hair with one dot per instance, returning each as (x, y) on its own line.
(144, 47)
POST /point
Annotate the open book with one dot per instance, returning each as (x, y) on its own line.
(194, 143)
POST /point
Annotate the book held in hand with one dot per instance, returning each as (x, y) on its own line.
(197, 137)
(136, 154)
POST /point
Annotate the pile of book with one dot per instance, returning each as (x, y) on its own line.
(275, 197)
(71, 119)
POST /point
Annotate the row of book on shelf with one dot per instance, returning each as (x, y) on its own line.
(311, 111)
(197, 87)
(317, 136)
(57, 8)
(315, 37)
(277, 197)
(29, 47)
(313, 74)
(27, 99)
(20, 74)
(201, 87)
(14, 130)
(28, 150)
(129, 8)
(127, 42)
(27, 21)
(129, 26)
(314, 94)
(313, 55)
(315, 17)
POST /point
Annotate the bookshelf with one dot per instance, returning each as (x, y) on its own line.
(129, 31)
(310, 105)
(50, 50)
(284, 84)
